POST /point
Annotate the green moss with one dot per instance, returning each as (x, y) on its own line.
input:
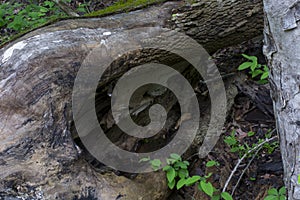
(123, 6)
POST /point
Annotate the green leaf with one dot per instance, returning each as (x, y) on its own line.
(192, 180)
(2, 13)
(208, 175)
(43, 9)
(81, 9)
(282, 191)
(263, 81)
(264, 75)
(252, 58)
(247, 146)
(200, 188)
(171, 185)
(257, 72)
(2, 22)
(155, 162)
(41, 14)
(49, 3)
(273, 191)
(207, 188)
(282, 197)
(230, 140)
(212, 163)
(18, 24)
(226, 196)
(245, 65)
(234, 149)
(298, 178)
(216, 197)
(253, 67)
(181, 165)
(171, 174)
(175, 156)
(180, 183)
(183, 173)
(271, 197)
(34, 15)
(42, 20)
(144, 159)
(241, 148)
(232, 134)
(250, 133)
(167, 168)
(186, 162)
(170, 161)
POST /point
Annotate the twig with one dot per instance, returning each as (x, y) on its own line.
(244, 170)
(245, 155)
(66, 8)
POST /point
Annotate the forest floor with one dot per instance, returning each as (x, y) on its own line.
(262, 170)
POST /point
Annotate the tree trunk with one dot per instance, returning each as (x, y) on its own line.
(38, 156)
(283, 53)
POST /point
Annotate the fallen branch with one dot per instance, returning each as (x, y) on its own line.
(244, 170)
(244, 156)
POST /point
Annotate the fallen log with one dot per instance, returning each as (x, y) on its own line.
(38, 156)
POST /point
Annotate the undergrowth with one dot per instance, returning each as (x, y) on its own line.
(17, 19)
(178, 175)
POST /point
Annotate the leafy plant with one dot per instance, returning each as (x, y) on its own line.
(250, 133)
(226, 196)
(243, 148)
(212, 163)
(18, 16)
(156, 163)
(83, 8)
(274, 194)
(178, 176)
(176, 171)
(234, 144)
(206, 187)
(256, 69)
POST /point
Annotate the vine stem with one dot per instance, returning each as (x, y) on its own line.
(245, 155)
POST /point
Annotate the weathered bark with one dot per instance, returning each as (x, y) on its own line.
(214, 24)
(283, 53)
(219, 24)
(37, 154)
